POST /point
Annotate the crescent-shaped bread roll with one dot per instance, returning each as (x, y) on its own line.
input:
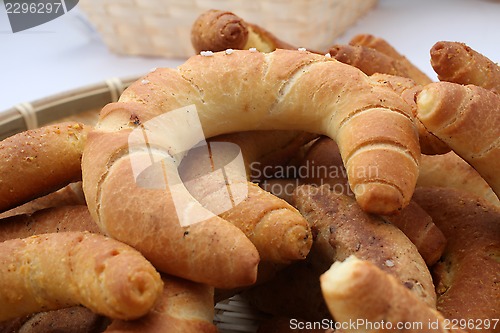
(342, 229)
(458, 63)
(266, 91)
(467, 275)
(37, 162)
(467, 118)
(53, 271)
(183, 307)
(357, 291)
(141, 212)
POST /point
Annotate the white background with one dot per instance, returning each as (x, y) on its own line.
(67, 53)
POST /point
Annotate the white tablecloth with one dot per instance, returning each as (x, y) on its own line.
(67, 53)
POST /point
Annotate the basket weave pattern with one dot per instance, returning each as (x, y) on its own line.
(162, 28)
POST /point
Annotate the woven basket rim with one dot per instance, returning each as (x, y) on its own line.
(40, 112)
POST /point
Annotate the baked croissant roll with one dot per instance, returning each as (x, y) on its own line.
(467, 119)
(466, 276)
(58, 270)
(130, 160)
(459, 63)
(217, 30)
(40, 161)
(358, 291)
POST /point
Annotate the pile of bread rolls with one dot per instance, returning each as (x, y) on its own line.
(406, 231)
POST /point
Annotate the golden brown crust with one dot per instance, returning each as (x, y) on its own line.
(368, 60)
(266, 40)
(458, 63)
(184, 306)
(324, 166)
(467, 275)
(50, 220)
(145, 217)
(58, 270)
(255, 91)
(450, 170)
(418, 226)
(217, 30)
(466, 118)
(359, 291)
(408, 89)
(342, 229)
(277, 229)
(384, 47)
(38, 162)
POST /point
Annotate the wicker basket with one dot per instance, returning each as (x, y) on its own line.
(162, 28)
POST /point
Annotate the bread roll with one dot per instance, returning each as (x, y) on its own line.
(76, 319)
(458, 63)
(277, 229)
(407, 88)
(324, 166)
(384, 47)
(466, 277)
(342, 229)
(58, 270)
(357, 291)
(37, 162)
(212, 252)
(217, 30)
(467, 119)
